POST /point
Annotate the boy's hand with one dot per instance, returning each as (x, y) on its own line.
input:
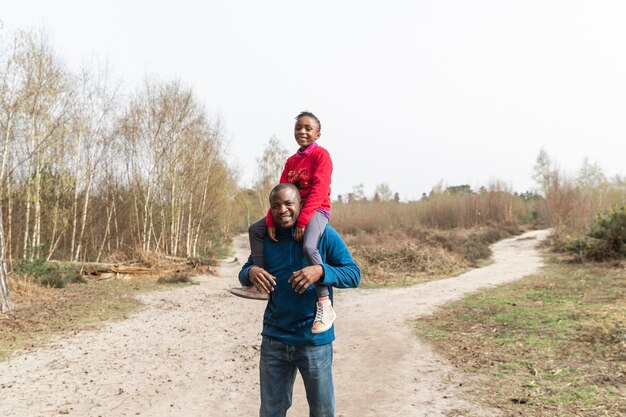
(261, 279)
(302, 279)
(298, 233)
(271, 232)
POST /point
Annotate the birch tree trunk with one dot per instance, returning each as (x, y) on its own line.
(83, 220)
(107, 231)
(76, 193)
(5, 302)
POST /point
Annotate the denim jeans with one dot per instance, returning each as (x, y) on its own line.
(278, 367)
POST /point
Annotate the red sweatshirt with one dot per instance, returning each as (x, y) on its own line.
(310, 170)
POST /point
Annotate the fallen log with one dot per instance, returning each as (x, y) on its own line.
(108, 271)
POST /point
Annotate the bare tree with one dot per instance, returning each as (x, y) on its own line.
(384, 192)
(269, 167)
(93, 126)
(8, 106)
(45, 112)
(86, 182)
(177, 167)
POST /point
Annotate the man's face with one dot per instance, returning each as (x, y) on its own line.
(285, 205)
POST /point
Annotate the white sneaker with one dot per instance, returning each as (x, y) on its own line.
(324, 317)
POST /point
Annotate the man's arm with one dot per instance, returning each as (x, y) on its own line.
(251, 275)
(340, 270)
(243, 274)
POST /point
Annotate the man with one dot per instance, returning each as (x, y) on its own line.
(288, 344)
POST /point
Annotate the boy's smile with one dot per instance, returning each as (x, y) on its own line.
(306, 131)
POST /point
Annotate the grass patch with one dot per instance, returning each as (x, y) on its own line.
(551, 344)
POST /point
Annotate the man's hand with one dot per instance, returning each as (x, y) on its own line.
(302, 279)
(298, 233)
(271, 232)
(261, 279)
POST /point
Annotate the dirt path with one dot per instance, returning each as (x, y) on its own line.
(193, 351)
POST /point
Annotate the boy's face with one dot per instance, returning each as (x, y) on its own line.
(306, 131)
(285, 205)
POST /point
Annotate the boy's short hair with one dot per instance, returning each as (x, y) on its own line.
(312, 116)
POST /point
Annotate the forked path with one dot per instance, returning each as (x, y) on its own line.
(193, 351)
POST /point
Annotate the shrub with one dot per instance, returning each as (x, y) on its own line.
(606, 240)
(47, 274)
(177, 278)
(611, 230)
(474, 250)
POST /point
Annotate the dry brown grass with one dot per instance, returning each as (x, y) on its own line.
(392, 259)
(27, 291)
(404, 262)
(571, 208)
(442, 211)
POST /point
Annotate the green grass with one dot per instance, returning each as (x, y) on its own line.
(554, 343)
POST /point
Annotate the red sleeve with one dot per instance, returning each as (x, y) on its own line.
(269, 220)
(322, 168)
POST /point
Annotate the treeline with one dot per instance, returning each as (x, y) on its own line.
(91, 171)
(571, 204)
(443, 209)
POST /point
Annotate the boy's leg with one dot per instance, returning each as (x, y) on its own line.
(315, 364)
(312, 234)
(256, 234)
(277, 375)
(325, 315)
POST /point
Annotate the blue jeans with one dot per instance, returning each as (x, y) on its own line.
(278, 366)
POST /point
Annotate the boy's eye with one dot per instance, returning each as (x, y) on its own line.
(308, 129)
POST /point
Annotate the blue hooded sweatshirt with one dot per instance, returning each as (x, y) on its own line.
(289, 316)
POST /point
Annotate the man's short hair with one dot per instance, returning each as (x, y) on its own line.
(283, 186)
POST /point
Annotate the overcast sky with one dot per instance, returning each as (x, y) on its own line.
(409, 92)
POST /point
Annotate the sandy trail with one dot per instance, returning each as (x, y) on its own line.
(193, 351)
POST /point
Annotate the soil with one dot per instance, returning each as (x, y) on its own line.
(193, 351)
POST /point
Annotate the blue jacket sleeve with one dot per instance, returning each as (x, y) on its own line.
(243, 274)
(340, 270)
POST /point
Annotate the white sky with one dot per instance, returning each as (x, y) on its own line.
(408, 92)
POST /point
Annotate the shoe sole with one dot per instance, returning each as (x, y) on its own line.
(248, 295)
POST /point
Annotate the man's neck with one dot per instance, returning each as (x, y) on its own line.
(284, 232)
